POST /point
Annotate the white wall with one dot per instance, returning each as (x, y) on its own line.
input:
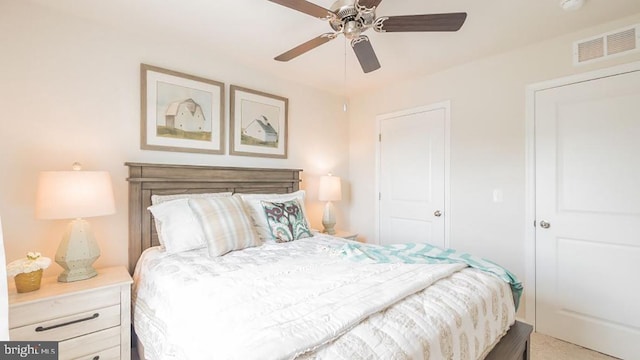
(69, 90)
(487, 141)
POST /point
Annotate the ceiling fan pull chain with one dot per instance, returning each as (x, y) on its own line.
(344, 107)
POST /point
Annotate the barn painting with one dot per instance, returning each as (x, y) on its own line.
(261, 130)
(259, 124)
(182, 112)
(186, 115)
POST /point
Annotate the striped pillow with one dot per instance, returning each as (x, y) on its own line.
(159, 199)
(225, 224)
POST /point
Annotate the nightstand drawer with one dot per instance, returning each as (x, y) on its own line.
(105, 344)
(30, 313)
(108, 354)
(67, 327)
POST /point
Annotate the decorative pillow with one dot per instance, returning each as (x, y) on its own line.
(225, 224)
(286, 220)
(177, 226)
(253, 204)
(159, 199)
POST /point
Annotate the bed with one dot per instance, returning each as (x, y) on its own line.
(181, 308)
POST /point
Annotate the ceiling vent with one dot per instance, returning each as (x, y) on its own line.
(615, 43)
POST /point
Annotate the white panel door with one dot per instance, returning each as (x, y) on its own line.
(588, 196)
(412, 178)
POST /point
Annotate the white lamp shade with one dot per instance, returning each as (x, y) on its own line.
(74, 194)
(330, 188)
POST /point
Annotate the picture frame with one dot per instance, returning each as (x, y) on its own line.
(180, 112)
(258, 123)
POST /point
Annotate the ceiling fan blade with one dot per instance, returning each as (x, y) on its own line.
(427, 22)
(305, 7)
(369, 3)
(303, 48)
(365, 54)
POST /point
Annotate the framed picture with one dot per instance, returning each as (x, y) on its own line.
(258, 123)
(180, 112)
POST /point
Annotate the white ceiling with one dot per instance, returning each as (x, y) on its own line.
(252, 32)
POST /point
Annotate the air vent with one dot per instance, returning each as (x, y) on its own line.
(590, 50)
(622, 41)
(615, 43)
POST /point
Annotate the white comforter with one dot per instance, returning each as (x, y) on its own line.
(280, 301)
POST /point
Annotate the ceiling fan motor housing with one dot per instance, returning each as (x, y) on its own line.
(344, 8)
(351, 19)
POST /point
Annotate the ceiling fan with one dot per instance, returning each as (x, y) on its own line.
(353, 17)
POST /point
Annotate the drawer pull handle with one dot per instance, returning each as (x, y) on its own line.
(97, 357)
(40, 328)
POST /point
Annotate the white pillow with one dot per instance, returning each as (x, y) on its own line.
(178, 227)
(225, 224)
(164, 236)
(253, 204)
(159, 199)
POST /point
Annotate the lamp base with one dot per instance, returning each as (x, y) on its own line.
(328, 219)
(77, 252)
(77, 274)
(328, 229)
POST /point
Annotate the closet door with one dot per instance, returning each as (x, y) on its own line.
(412, 176)
(588, 213)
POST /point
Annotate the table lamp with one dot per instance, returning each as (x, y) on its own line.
(330, 190)
(75, 195)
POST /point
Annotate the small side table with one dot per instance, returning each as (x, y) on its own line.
(346, 235)
(89, 318)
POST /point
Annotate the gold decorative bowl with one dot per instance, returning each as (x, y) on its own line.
(26, 282)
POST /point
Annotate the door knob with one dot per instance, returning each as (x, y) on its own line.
(437, 213)
(544, 224)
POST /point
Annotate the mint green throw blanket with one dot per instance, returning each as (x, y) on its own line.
(428, 254)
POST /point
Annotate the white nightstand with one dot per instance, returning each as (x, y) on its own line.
(90, 318)
(346, 235)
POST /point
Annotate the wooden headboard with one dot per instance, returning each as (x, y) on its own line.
(160, 179)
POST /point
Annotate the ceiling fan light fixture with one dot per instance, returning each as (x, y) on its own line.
(571, 5)
(352, 29)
